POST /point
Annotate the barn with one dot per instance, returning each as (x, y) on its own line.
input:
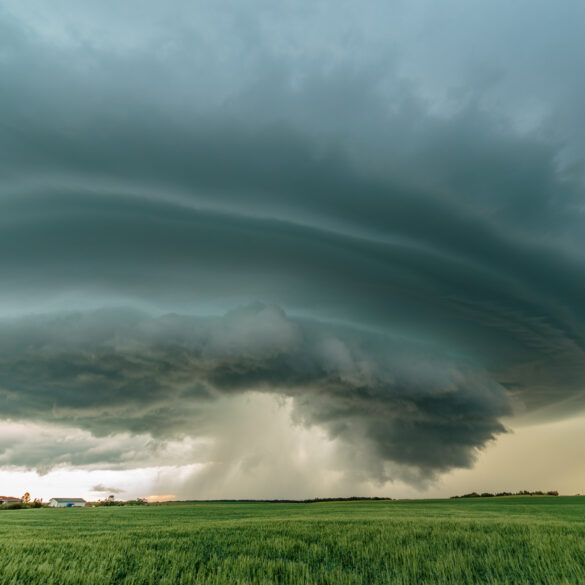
(9, 500)
(67, 503)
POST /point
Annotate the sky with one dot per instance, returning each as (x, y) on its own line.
(291, 250)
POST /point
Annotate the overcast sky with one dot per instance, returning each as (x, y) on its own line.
(291, 249)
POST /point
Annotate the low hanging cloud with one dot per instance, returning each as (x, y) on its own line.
(111, 372)
(102, 489)
(44, 445)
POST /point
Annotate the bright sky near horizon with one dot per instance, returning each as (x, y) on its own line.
(291, 250)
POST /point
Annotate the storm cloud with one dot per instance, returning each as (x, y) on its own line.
(118, 372)
(374, 214)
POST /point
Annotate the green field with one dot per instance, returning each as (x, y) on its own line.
(526, 540)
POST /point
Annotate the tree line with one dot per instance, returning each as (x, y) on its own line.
(500, 494)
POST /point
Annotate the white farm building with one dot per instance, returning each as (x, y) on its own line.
(67, 503)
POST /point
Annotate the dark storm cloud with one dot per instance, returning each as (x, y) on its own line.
(115, 372)
(507, 304)
(321, 162)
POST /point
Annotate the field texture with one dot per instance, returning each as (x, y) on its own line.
(497, 541)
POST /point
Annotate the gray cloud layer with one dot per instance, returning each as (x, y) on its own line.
(115, 372)
(324, 160)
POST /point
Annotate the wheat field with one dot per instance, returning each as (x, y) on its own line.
(528, 541)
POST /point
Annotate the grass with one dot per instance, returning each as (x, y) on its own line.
(528, 540)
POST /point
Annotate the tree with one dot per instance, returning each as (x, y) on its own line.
(26, 498)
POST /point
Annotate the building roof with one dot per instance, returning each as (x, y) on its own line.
(9, 499)
(68, 500)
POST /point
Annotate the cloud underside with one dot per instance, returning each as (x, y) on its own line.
(147, 389)
(121, 372)
(401, 229)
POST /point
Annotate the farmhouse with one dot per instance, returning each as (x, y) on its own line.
(9, 500)
(67, 503)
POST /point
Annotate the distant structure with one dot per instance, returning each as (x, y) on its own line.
(67, 503)
(9, 500)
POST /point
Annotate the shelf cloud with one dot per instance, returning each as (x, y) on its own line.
(115, 372)
(308, 203)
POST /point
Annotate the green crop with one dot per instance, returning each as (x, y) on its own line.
(528, 541)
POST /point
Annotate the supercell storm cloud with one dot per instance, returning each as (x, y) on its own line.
(327, 205)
